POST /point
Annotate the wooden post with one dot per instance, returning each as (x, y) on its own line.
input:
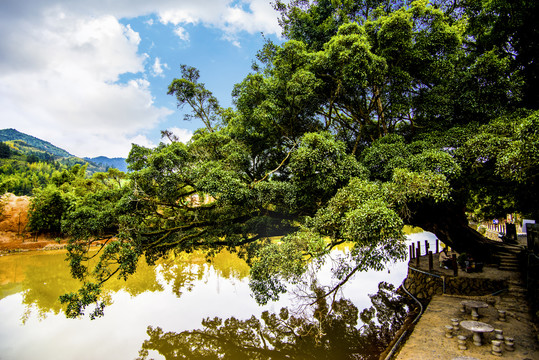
(419, 248)
(437, 246)
(455, 266)
(417, 256)
(426, 247)
(413, 250)
(430, 261)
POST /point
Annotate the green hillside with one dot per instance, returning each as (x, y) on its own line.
(31, 163)
(31, 143)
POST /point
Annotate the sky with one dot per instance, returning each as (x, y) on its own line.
(91, 76)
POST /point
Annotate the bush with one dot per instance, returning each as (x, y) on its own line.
(47, 209)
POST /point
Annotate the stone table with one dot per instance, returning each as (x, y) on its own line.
(474, 305)
(478, 328)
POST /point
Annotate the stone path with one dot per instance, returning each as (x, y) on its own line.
(428, 340)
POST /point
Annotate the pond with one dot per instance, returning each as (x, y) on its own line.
(176, 295)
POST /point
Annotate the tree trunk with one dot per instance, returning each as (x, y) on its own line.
(450, 225)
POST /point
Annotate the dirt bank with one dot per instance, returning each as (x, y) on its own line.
(14, 232)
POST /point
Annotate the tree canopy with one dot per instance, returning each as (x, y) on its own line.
(369, 116)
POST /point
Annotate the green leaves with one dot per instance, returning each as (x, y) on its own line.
(413, 187)
(368, 117)
(284, 261)
(520, 158)
(320, 166)
(47, 209)
(77, 302)
(503, 154)
(188, 90)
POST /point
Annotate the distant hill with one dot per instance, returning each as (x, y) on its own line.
(31, 141)
(27, 144)
(118, 163)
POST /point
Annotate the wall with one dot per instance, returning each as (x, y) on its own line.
(424, 285)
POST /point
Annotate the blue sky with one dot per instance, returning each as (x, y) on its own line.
(92, 76)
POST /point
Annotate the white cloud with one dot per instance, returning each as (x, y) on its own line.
(182, 33)
(157, 67)
(61, 60)
(142, 140)
(184, 135)
(249, 15)
(69, 95)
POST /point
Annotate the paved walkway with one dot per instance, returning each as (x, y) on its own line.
(428, 340)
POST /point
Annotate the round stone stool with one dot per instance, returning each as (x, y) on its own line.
(448, 331)
(461, 339)
(501, 315)
(496, 348)
(455, 323)
(509, 344)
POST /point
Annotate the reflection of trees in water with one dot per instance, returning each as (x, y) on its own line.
(42, 278)
(181, 275)
(330, 332)
(183, 271)
(47, 277)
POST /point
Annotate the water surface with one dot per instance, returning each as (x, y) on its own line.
(175, 295)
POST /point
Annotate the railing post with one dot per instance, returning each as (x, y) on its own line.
(454, 264)
(419, 247)
(410, 252)
(426, 247)
(430, 261)
(437, 246)
(417, 255)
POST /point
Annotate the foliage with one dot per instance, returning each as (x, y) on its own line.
(47, 209)
(504, 155)
(21, 177)
(38, 144)
(371, 115)
(189, 91)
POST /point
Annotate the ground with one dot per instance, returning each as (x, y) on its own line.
(427, 339)
(14, 232)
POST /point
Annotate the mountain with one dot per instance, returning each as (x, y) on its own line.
(32, 142)
(31, 146)
(118, 163)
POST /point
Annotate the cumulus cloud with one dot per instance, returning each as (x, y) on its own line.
(70, 95)
(142, 140)
(184, 135)
(62, 61)
(232, 17)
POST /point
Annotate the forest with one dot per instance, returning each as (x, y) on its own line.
(369, 115)
(29, 164)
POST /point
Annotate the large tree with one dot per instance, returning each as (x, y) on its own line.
(361, 122)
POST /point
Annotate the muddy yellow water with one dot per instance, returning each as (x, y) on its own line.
(175, 295)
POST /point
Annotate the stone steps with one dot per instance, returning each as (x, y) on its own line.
(508, 267)
(505, 268)
(508, 257)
